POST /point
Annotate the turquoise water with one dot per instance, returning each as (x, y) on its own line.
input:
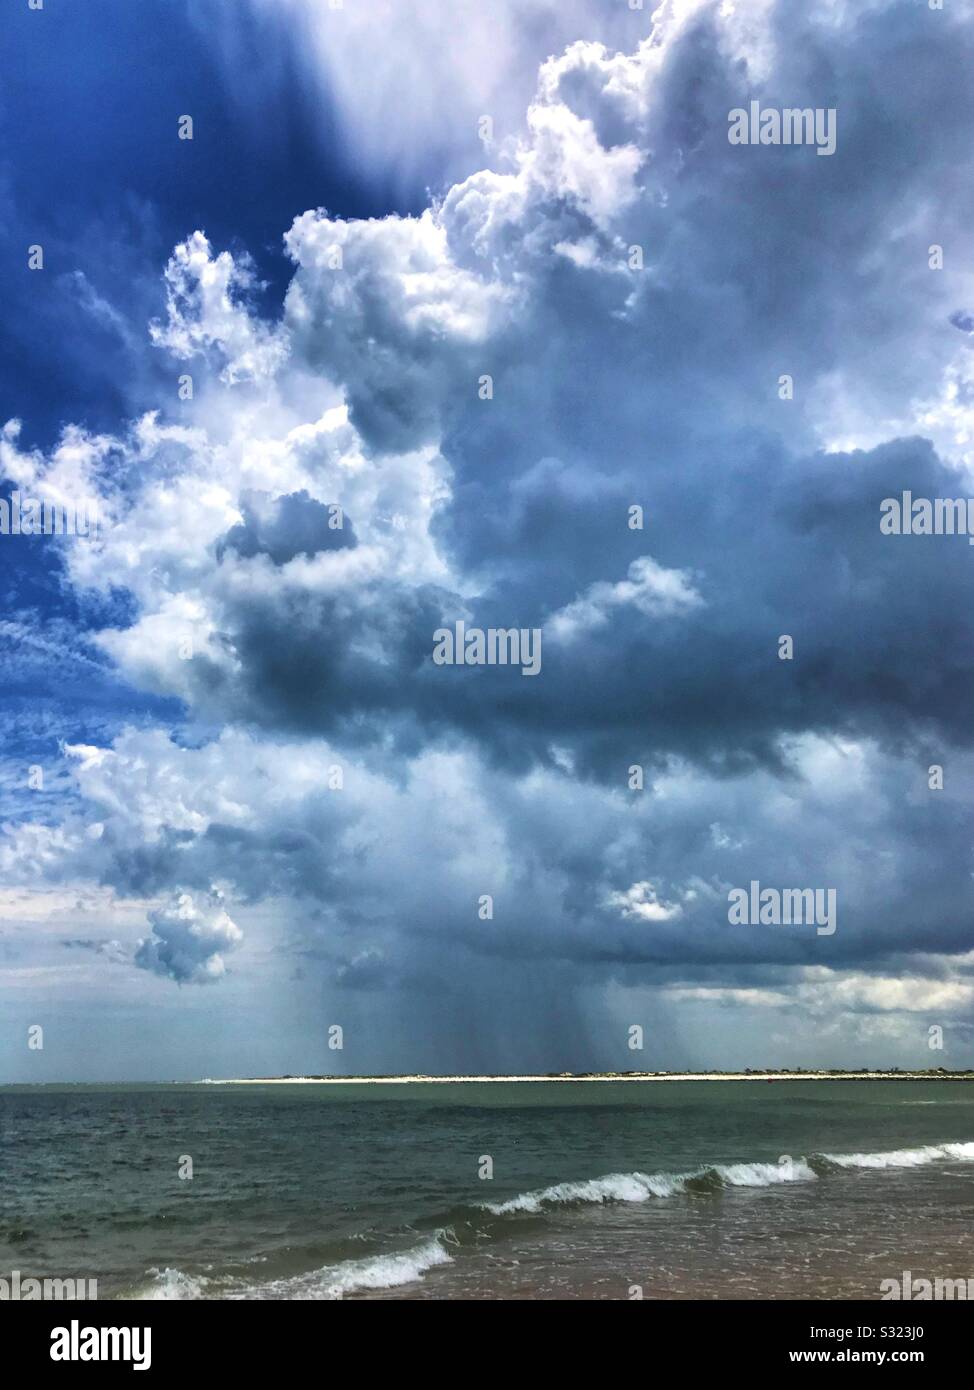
(696, 1189)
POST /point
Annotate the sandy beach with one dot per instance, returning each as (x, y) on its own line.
(593, 1076)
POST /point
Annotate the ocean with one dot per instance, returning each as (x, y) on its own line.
(592, 1190)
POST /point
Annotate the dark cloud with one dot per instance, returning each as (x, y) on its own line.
(790, 546)
(283, 527)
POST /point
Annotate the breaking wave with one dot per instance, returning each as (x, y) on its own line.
(331, 1282)
(640, 1187)
(490, 1221)
(903, 1158)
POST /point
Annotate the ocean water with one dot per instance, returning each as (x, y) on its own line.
(812, 1189)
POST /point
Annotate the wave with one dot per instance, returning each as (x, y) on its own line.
(470, 1225)
(903, 1158)
(331, 1282)
(616, 1187)
(640, 1187)
(387, 1271)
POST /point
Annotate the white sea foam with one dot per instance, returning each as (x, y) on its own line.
(384, 1271)
(331, 1282)
(904, 1158)
(173, 1284)
(764, 1174)
(615, 1187)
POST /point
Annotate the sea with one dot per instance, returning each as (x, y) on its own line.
(509, 1190)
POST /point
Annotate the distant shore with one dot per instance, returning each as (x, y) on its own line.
(933, 1075)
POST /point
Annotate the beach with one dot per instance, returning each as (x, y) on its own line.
(421, 1079)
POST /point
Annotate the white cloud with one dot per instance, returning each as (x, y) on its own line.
(651, 589)
(838, 992)
(189, 939)
(642, 901)
(206, 307)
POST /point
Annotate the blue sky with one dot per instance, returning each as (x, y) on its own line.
(262, 808)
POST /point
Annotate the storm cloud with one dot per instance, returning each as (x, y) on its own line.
(644, 390)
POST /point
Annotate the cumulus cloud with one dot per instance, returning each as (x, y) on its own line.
(189, 939)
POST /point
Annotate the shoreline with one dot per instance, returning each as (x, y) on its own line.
(568, 1077)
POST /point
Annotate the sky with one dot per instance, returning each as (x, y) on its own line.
(475, 314)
